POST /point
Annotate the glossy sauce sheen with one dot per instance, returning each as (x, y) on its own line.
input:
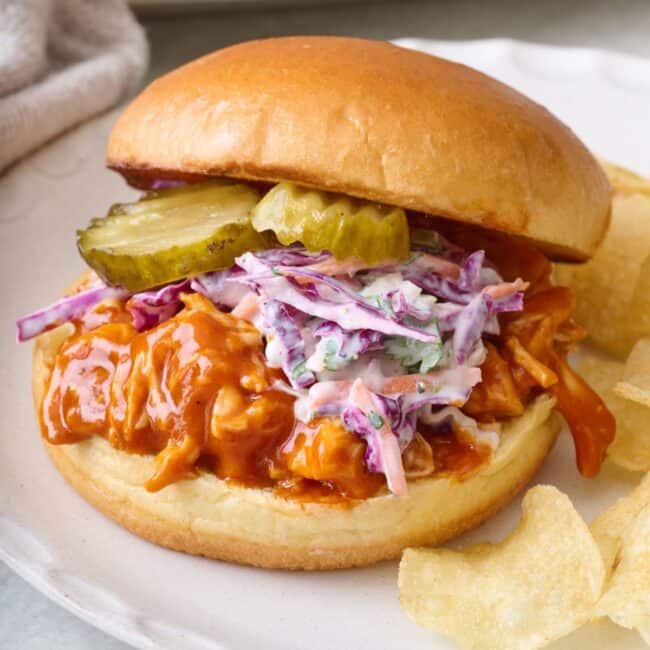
(196, 392)
(194, 388)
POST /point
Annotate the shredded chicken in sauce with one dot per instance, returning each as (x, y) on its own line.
(196, 391)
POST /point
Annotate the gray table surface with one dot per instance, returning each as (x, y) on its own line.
(28, 620)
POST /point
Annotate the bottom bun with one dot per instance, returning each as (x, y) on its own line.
(211, 517)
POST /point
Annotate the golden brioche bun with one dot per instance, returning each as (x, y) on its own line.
(376, 121)
(208, 516)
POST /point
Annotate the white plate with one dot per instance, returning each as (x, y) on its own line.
(151, 597)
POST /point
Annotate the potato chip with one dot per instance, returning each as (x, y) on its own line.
(625, 181)
(638, 318)
(537, 585)
(631, 447)
(613, 288)
(635, 383)
(600, 370)
(611, 524)
(627, 599)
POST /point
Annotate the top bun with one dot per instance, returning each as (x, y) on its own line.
(375, 121)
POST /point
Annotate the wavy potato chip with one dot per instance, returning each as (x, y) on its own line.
(623, 180)
(627, 599)
(613, 288)
(635, 383)
(537, 585)
(631, 446)
(610, 525)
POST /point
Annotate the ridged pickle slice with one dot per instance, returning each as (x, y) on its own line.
(173, 233)
(323, 221)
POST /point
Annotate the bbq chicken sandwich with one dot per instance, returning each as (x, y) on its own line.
(328, 329)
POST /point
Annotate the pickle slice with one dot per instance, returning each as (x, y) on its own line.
(173, 233)
(323, 221)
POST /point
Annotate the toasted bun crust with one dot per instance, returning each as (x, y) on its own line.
(210, 517)
(376, 121)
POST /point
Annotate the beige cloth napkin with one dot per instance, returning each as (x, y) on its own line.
(62, 61)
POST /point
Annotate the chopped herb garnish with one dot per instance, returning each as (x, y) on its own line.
(299, 369)
(376, 420)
